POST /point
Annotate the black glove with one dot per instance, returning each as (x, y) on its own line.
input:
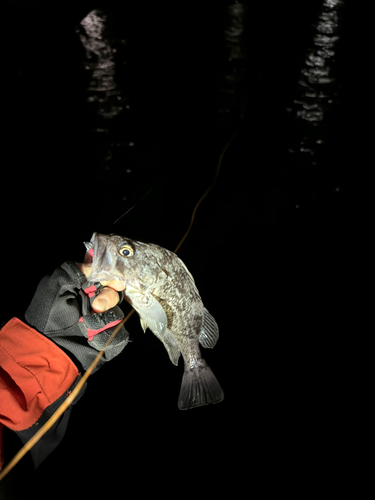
(35, 375)
(61, 310)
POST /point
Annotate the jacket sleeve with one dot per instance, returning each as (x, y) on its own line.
(61, 310)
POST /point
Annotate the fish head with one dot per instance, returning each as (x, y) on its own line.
(116, 257)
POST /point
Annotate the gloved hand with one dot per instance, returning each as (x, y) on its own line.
(35, 374)
(63, 309)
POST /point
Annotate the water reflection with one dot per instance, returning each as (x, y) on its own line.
(103, 91)
(104, 57)
(317, 88)
(230, 96)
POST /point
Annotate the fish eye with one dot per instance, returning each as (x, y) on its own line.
(126, 251)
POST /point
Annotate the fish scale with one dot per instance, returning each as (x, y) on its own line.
(162, 290)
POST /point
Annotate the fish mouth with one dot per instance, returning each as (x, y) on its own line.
(91, 249)
(89, 253)
(94, 251)
(101, 260)
(94, 241)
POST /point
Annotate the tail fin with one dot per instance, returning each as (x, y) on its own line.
(199, 387)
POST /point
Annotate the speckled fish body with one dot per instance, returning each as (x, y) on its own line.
(163, 292)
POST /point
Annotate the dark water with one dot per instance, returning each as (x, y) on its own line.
(105, 103)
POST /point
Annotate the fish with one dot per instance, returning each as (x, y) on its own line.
(162, 291)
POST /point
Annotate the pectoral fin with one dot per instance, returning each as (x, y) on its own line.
(150, 311)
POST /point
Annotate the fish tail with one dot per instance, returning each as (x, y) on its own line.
(199, 387)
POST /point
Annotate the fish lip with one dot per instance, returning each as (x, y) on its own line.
(94, 239)
(89, 255)
(95, 242)
(99, 277)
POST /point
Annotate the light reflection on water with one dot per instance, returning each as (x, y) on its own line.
(108, 102)
(230, 97)
(110, 114)
(317, 88)
(315, 96)
(103, 93)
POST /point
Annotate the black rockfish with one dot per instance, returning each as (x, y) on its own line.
(161, 289)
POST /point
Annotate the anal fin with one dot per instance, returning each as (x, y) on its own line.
(171, 346)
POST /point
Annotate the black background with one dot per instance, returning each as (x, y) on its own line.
(272, 275)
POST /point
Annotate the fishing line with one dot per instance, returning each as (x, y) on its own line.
(207, 190)
(69, 400)
(135, 204)
(229, 142)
